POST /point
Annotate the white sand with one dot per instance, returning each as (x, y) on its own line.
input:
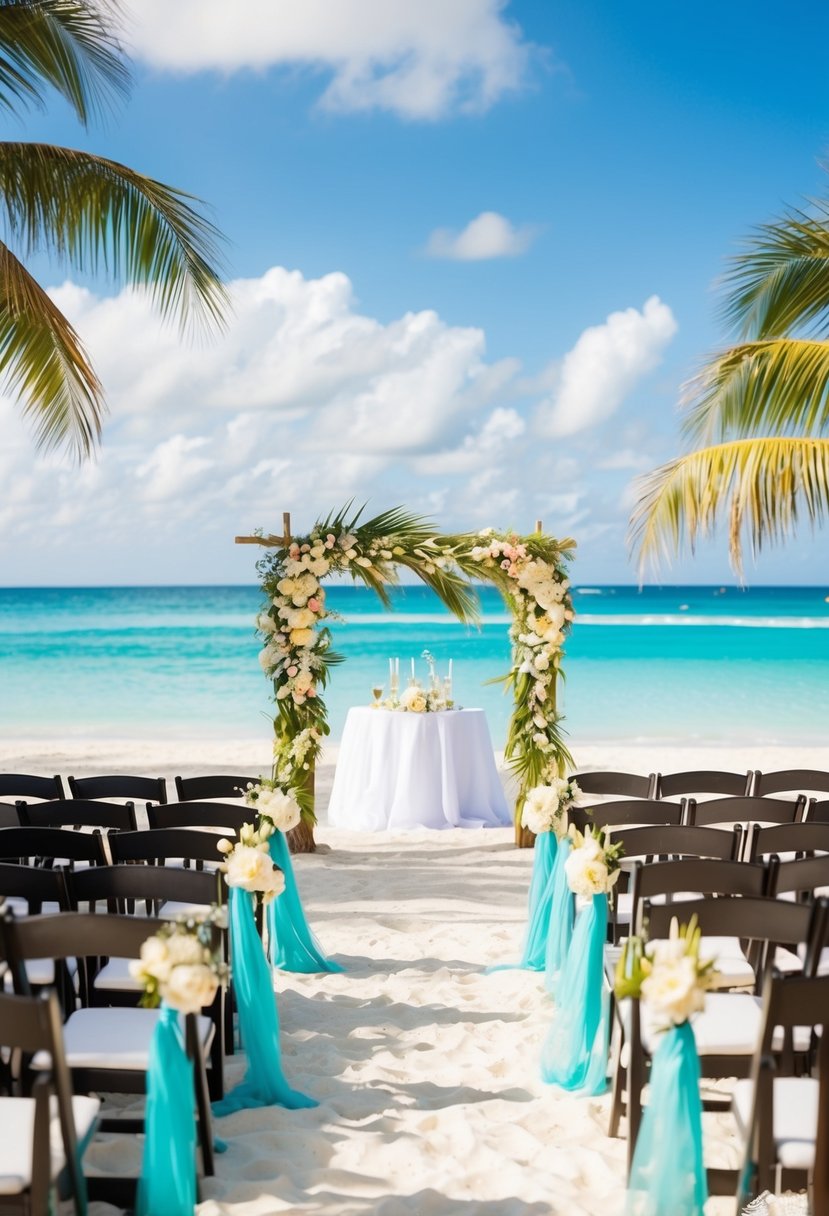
(426, 1069)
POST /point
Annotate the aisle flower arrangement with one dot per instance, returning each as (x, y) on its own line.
(670, 979)
(546, 807)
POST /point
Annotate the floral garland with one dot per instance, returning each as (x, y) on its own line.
(532, 575)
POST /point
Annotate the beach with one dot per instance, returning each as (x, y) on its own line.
(426, 1068)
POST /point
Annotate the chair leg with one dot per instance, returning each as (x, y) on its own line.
(205, 1122)
(635, 1084)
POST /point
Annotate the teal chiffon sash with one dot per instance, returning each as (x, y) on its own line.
(292, 945)
(264, 1083)
(538, 911)
(668, 1175)
(167, 1185)
(575, 1053)
(562, 917)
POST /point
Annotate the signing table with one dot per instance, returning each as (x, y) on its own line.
(398, 771)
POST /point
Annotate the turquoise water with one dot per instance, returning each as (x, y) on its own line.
(667, 664)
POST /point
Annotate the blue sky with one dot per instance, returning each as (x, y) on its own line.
(472, 247)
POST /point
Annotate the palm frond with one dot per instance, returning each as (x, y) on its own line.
(42, 359)
(71, 45)
(98, 214)
(779, 386)
(761, 486)
(780, 282)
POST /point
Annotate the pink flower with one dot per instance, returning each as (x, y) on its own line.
(306, 548)
(314, 604)
(311, 693)
(505, 565)
(294, 551)
(330, 540)
(293, 671)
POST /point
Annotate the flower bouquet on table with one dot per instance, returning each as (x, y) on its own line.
(253, 876)
(180, 968)
(292, 945)
(417, 700)
(670, 979)
(575, 1053)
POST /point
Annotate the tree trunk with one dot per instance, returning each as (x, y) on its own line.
(301, 838)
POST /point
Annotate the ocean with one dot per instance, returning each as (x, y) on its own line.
(665, 664)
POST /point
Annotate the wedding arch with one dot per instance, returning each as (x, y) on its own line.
(530, 571)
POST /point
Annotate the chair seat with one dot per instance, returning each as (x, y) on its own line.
(732, 966)
(624, 903)
(115, 976)
(795, 1118)
(20, 906)
(114, 1038)
(172, 908)
(729, 1025)
(17, 1122)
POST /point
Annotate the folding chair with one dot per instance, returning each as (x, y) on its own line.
(79, 813)
(48, 845)
(162, 845)
(745, 810)
(627, 812)
(777, 1113)
(107, 1050)
(25, 785)
(617, 785)
(711, 781)
(200, 815)
(791, 781)
(796, 839)
(44, 1132)
(198, 789)
(728, 1029)
(116, 785)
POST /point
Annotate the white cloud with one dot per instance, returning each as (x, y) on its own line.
(604, 366)
(500, 429)
(489, 235)
(420, 59)
(625, 458)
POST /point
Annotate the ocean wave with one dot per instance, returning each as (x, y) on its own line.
(731, 622)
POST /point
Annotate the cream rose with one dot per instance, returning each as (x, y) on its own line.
(280, 807)
(413, 699)
(302, 637)
(249, 868)
(183, 948)
(190, 987)
(672, 990)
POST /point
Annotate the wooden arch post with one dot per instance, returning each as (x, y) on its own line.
(524, 838)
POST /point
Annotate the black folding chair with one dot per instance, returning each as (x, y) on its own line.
(799, 839)
(791, 781)
(711, 781)
(117, 785)
(617, 785)
(48, 845)
(25, 785)
(627, 812)
(9, 815)
(198, 789)
(201, 815)
(79, 813)
(107, 1050)
(745, 810)
(33, 1163)
(162, 845)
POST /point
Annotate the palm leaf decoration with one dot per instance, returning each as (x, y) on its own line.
(764, 487)
(91, 213)
(759, 410)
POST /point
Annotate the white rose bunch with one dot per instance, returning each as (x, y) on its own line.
(248, 864)
(546, 806)
(414, 700)
(278, 808)
(593, 865)
(668, 976)
(177, 966)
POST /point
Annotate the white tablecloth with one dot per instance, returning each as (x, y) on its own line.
(402, 770)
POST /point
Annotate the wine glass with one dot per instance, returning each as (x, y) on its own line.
(377, 693)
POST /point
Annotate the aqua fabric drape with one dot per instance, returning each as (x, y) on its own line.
(668, 1175)
(538, 909)
(292, 945)
(575, 1052)
(264, 1083)
(167, 1185)
(562, 918)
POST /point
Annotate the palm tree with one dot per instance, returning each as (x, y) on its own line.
(92, 213)
(757, 412)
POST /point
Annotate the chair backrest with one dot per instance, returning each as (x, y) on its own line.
(119, 884)
(807, 837)
(51, 844)
(36, 884)
(712, 781)
(159, 844)
(197, 789)
(791, 780)
(619, 785)
(9, 814)
(30, 1025)
(692, 876)
(627, 811)
(200, 815)
(818, 811)
(74, 935)
(765, 922)
(803, 875)
(745, 810)
(671, 840)
(79, 812)
(118, 785)
(24, 785)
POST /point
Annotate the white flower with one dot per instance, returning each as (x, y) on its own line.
(586, 876)
(266, 623)
(413, 700)
(280, 807)
(543, 810)
(252, 870)
(183, 948)
(672, 990)
(190, 987)
(302, 637)
(153, 962)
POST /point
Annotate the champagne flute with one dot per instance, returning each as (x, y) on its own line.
(377, 693)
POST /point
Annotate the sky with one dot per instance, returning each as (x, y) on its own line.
(472, 247)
